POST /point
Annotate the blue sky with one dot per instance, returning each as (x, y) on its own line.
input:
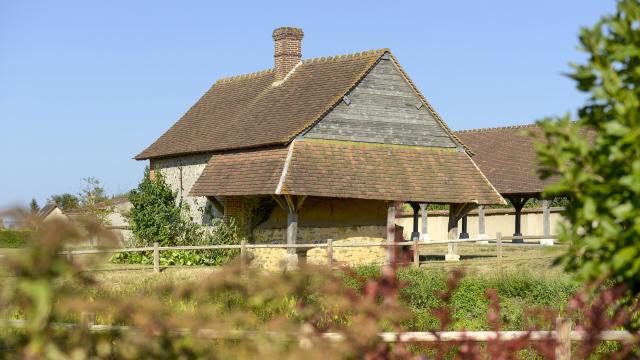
(86, 85)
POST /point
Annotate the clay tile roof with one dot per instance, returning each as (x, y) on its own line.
(254, 172)
(507, 157)
(350, 170)
(249, 111)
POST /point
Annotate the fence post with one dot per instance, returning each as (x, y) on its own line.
(156, 257)
(499, 246)
(69, 255)
(416, 254)
(563, 338)
(330, 253)
(87, 319)
(243, 254)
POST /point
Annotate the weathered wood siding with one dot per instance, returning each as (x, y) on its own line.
(382, 110)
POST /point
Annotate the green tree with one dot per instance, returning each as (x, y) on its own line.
(154, 215)
(33, 206)
(94, 200)
(65, 201)
(600, 172)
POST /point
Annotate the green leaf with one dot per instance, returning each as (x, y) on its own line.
(624, 256)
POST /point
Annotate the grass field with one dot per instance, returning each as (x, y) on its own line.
(474, 258)
(525, 277)
(482, 259)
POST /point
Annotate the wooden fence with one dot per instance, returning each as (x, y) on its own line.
(415, 244)
(562, 335)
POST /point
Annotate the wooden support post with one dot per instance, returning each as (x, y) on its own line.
(391, 231)
(424, 230)
(416, 253)
(518, 203)
(330, 253)
(563, 339)
(482, 234)
(464, 234)
(415, 233)
(546, 223)
(243, 254)
(292, 231)
(452, 226)
(156, 257)
(499, 251)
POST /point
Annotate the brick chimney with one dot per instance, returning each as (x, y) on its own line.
(288, 50)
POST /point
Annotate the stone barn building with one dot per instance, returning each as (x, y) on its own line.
(317, 149)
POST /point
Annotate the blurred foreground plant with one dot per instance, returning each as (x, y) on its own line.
(254, 315)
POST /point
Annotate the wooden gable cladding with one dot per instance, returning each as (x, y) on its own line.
(383, 108)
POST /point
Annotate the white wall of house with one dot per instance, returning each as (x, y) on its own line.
(496, 220)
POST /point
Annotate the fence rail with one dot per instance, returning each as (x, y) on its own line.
(562, 335)
(330, 245)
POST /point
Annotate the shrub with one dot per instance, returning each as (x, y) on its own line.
(220, 233)
(155, 217)
(14, 238)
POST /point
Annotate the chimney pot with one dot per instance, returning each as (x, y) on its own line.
(288, 50)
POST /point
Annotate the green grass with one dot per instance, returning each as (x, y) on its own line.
(482, 259)
(13, 239)
(520, 286)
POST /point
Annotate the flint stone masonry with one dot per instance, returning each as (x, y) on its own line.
(314, 235)
(274, 259)
(181, 173)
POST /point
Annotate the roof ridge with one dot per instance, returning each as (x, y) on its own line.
(347, 56)
(311, 60)
(522, 126)
(244, 76)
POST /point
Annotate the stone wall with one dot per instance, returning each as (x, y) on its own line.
(181, 172)
(273, 259)
(317, 235)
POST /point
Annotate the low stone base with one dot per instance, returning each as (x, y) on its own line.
(481, 237)
(547, 242)
(517, 240)
(291, 261)
(452, 257)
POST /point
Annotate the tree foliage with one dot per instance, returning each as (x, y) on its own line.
(66, 201)
(154, 216)
(94, 201)
(33, 206)
(597, 157)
